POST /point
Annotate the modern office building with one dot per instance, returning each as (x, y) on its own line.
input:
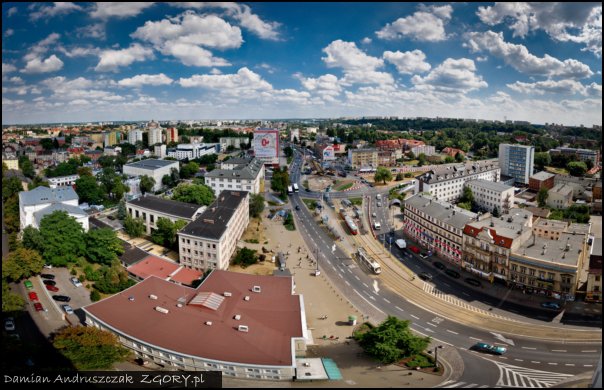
(517, 161)
(437, 225)
(209, 241)
(237, 174)
(446, 183)
(428, 150)
(490, 195)
(150, 208)
(41, 201)
(246, 326)
(152, 168)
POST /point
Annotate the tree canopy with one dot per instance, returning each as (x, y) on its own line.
(199, 194)
(392, 341)
(256, 205)
(382, 174)
(134, 227)
(88, 190)
(165, 233)
(89, 348)
(103, 246)
(245, 257)
(63, 238)
(280, 181)
(577, 168)
(146, 184)
(189, 170)
(542, 196)
(22, 263)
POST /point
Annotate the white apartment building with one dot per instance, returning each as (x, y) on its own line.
(159, 151)
(41, 201)
(209, 241)
(152, 168)
(191, 151)
(517, 161)
(489, 194)
(62, 181)
(446, 183)
(560, 197)
(135, 135)
(238, 174)
(428, 150)
(150, 208)
(235, 142)
(155, 135)
(437, 225)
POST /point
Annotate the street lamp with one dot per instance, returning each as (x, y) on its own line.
(436, 355)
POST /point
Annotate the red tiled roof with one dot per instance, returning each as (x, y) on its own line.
(273, 317)
(153, 266)
(186, 276)
(501, 241)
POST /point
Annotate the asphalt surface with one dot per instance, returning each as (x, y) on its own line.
(528, 362)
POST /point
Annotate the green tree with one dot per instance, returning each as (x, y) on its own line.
(193, 193)
(95, 296)
(245, 257)
(113, 279)
(589, 164)
(399, 176)
(88, 190)
(63, 238)
(32, 239)
(465, 205)
(189, 170)
(147, 183)
(288, 151)
(134, 227)
(542, 196)
(103, 246)
(421, 160)
(37, 181)
(22, 263)
(165, 233)
(10, 301)
(89, 348)
(11, 186)
(467, 195)
(576, 168)
(256, 205)
(280, 181)
(496, 212)
(542, 160)
(449, 160)
(26, 166)
(47, 144)
(11, 214)
(382, 174)
(122, 213)
(392, 341)
(84, 171)
(411, 155)
(459, 157)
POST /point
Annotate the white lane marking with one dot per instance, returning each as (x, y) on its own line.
(529, 348)
(536, 362)
(588, 365)
(387, 301)
(590, 351)
(346, 281)
(365, 299)
(366, 285)
(465, 293)
(558, 350)
(519, 360)
(474, 338)
(570, 364)
(450, 331)
(434, 325)
(429, 330)
(553, 364)
(417, 318)
(398, 308)
(357, 278)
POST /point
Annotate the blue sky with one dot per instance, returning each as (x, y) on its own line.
(71, 62)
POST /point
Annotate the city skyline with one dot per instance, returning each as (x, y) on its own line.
(86, 62)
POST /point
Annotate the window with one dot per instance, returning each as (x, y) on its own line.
(145, 216)
(152, 217)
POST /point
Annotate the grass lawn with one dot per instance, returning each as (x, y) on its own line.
(412, 162)
(344, 187)
(561, 171)
(356, 201)
(310, 203)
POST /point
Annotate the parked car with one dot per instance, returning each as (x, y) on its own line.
(452, 273)
(439, 265)
(67, 309)
(297, 207)
(38, 306)
(425, 276)
(32, 296)
(551, 305)
(414, 249)
(76, 282)
(48, 276)
(488, 348)
(48, 266)
(424, 255)
(51, 288)
(61, 298)
(49, 282)
(9, 324)
(28, 285)
(473, 282)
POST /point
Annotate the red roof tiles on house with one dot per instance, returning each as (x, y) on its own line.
(153, 266)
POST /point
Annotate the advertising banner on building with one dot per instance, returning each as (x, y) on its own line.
(329, 154)
(266, 143)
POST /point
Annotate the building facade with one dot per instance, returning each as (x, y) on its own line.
(594, 275)
(446, 183)
(580, 154)
(192, 151)
(560, 197)
(237, 174)
(155, 132)
(541, 180)
(11, 163)
(150, 208)
(62, 181)
(159, 151)
(266, 146)
(235, 142)
(363, 158)
(437, 225)
(152, 168)
(210, 240)
(171, 134)
(112, 138)
(490, 195)
(428, 150)
(41, 201)
(517, 161)
(134, 136)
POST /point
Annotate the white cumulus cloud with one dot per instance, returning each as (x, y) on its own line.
(58, 8)
(8, 68)
(408, 62)
(427, 24)
(145, 79)
(38, 65)
(105, 10)
(453, 75)
(111, 60)
(358, 67)
(570, 87)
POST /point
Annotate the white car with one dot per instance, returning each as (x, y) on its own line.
(76, 282)
(9, 324)
(377, 226)
(67, 309)
(374, 215)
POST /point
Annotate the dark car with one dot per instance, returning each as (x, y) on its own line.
(473, 282)
(48, 276)
(61, 298)
(551, 305)
(49, 282)
(440, 266)
(488, 348)
(425, 276)
(453, 274)
(297, 207)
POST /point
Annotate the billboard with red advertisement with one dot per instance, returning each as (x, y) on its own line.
(266, 145)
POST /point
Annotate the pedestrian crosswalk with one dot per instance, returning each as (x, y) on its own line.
(430, 289)
(513, 376)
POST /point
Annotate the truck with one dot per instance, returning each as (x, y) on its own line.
(402, 244)
(290, 190)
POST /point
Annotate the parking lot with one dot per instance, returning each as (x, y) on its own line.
(80, 296)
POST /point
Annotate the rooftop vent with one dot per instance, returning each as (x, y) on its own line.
(179, 305)
(256, 289)
(131, 298)
(151, 296)
(243, 328)
(162, 310)
(227, 294)
(237, 317)
(246, 298)
(209, 323)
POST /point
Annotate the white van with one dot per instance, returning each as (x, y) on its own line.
(377, 226)
(402, 244)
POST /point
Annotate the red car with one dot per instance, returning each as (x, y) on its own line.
(33, 296)
(51, 288)
(38, 306)
(414, 249)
